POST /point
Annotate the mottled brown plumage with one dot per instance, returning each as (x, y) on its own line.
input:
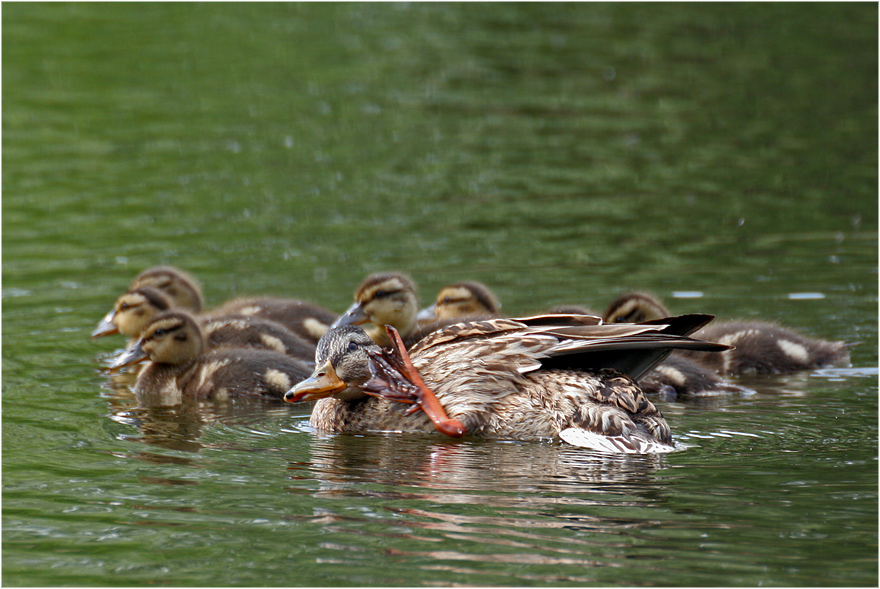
(759, 347)
(182, 366)
(549, 376)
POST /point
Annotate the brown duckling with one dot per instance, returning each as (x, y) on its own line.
(760, 347)
(184, 290)
(570, 378)
(462, 299)
(134, 309)
(308, 320)
(181, 365)
(386, 298)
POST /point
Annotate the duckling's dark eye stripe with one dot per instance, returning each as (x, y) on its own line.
(381, 294)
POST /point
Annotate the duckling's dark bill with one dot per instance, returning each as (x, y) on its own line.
(130, 356)
(106, 326)
(324, 382)
(354, 315)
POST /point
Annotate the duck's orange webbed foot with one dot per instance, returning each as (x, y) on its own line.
(425, 398)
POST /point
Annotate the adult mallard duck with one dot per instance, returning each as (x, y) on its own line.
(307, 320)
(761, 347)
(552, 376)
(674, 376)
(181, 365)
(133, 310)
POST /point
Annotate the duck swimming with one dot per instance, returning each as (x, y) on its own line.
(551, 376)
(761, 347)
(675, 376)
(182, 366)
(134, 309)
(307, 320)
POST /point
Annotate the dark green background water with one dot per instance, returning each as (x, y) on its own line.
(559, 153)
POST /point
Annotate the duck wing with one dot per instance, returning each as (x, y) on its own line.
(567, 342)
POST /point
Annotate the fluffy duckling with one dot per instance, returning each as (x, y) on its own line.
(183, 290)
(308, 320)
(133, 310)
(181, 365)
(539, 377)
(462, 299)
(386, 298)
(761, 347)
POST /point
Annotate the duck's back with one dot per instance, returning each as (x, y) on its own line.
(305, 319)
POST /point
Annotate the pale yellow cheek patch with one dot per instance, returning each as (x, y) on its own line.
(794, 350)
(273, 343)
(673, 374)
(278, 379)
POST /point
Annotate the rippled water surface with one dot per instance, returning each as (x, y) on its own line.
(723, 156)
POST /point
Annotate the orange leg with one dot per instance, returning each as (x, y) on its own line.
(427, 400)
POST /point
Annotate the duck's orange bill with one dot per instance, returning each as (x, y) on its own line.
(427, 400)
(322, 383)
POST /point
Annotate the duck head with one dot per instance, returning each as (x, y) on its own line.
(459, 300)
(383, 299)
(173, 337)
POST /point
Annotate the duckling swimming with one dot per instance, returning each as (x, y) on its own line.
(181, 365)
(553, 376)
(308, 320)
(761, 347)
(386, 298)
(134, 309)
(462, 299)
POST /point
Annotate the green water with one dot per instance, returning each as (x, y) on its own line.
(561, 153)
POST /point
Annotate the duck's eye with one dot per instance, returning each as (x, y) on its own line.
(159, 332)
(379, 294)
(352, 346)
(447, 300)
(124, 306)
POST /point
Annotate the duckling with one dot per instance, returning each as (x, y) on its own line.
(181, 365)
(761, 347)
(462, 299)
(386, 298)
(134, 309)
(308, 320)
(678, 377)
(570, 378)
(184, 290)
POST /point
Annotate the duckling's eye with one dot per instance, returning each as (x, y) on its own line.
(159, 332)
(352, 346)
(124, 306)
(447, 300)
(379, 294)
